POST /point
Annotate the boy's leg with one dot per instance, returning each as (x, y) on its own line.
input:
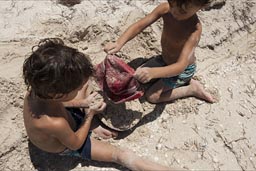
(159, 92)
(102, 151)
(98, 128)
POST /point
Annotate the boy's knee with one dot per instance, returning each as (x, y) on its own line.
(122, 155)
(152, 97)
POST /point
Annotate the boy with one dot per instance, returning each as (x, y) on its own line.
(57, 80)
(176, 66)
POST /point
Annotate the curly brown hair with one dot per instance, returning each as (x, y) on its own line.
(55, 69)
(180, 3)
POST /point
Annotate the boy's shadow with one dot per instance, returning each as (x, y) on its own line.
(43, 161)
(153, 115)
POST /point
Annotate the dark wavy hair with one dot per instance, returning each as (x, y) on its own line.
(55, 69)
(180, 3)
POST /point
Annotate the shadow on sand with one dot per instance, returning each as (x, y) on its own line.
(146, 119)
(43, 161)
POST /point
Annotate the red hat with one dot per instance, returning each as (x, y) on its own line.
(116, 80)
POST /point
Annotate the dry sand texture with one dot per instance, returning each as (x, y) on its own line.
(188, 133)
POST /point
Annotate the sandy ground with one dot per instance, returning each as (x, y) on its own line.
(187, 133)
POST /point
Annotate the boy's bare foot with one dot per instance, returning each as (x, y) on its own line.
(104, 133)
(101, 131)
(199, 91)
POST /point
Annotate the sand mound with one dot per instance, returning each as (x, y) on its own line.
(124, 116)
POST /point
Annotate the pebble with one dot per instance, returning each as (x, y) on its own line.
(164, 125)
(184, 121)
(178, 161)
(85, 47)
(14, 117)
(215, 160)
(159, 146)
(200, 103)
(169, 147)
(156, 159)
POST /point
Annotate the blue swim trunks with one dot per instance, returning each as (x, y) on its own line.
(181, 79)
(176, 81)
(85, 151)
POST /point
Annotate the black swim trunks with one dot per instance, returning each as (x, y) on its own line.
(85, 151)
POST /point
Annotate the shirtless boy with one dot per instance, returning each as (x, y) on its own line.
(176, 65)
(57, 80)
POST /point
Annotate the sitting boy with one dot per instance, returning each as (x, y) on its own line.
(177, 63)
(57, 79)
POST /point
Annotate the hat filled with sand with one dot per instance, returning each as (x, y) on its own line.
(115, 78)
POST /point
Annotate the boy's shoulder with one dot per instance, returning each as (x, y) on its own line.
(43, 117)
(163, 8)
(48, 124)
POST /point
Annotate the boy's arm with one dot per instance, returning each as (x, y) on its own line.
(76, 103)
(60, 128)
(84, 103)
(136, 28)
(146, 74)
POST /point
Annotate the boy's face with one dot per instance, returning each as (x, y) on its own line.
(69, 96)
(184, 12)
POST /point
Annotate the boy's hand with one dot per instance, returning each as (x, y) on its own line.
(143, 74)
(112, 48)
(97, 107)
(96, 103)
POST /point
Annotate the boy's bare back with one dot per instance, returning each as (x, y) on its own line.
(40, 117)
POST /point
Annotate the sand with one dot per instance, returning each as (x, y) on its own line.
(188, 133)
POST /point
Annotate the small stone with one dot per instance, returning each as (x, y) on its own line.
(178, 161)
(16, 104)
(156, 158)
(85, 47)
(184, 121)
(159, 146)
(215, 160)
(79, 165)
